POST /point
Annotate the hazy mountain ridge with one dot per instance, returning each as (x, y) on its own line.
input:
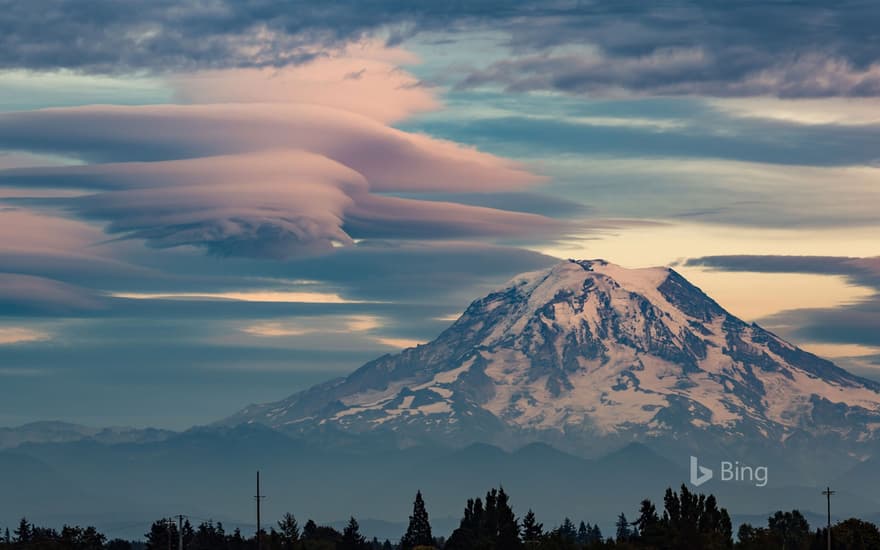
(66, 432)
(587, 355)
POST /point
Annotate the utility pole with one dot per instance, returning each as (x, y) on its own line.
(180, 532)
(258, 498)
(828, 492)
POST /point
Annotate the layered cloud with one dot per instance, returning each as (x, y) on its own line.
(284, 171)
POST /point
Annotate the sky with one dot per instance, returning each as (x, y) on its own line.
(210, 204)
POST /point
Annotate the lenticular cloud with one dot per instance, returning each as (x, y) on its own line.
(279, 177)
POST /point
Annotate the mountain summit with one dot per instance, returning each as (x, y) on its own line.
(586, 355)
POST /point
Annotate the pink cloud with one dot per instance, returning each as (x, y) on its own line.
(363, 78)
(390, 159)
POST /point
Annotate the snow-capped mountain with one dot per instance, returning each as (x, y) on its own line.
(584, 355)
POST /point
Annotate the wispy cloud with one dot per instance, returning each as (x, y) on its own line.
(16, 335)
(399, 343)
(279, 296)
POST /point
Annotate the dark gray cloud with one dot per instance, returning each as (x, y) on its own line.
(670, 47)
(785, 49)
(854, 324)
(163, 35)
(857, 323)
(861, 271)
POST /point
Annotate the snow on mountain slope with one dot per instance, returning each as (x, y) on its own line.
(586, 351)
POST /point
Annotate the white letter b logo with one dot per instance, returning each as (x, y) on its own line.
(699, 474)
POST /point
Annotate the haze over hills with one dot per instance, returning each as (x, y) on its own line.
(585, 378)
(64, 432)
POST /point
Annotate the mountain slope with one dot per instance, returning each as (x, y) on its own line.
(586, 355)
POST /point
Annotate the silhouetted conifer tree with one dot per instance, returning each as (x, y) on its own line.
(532, 530)
(650, 529)
(567, 530)
(24, 533)
(310, 530)
(161, 533)
(289, 530)
(209, 536)
(583, 534)
(623, 530)
(507, 530)
(418, 533)
(236, 541)
(352, 538)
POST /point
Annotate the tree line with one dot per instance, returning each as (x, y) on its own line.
(687, 521)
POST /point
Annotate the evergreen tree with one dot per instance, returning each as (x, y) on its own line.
(162, 533)
(188, 534)
(24, 533)
(583, 535)
(289, 529)
(507, 534)
(236, 541)
(595, 534)
(209, 536)
(489, 525)
(275, 541)
(623, 530)
(418, 533)
(310, 530)
(532, 530)
(494, 526)
(352, 538)
(650, 529)
(567, 530)
(81, 539)
(468, 532)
